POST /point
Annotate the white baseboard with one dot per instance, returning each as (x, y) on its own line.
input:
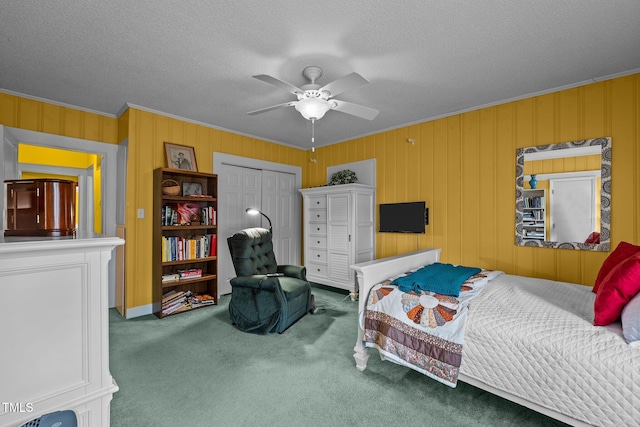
(141, 310)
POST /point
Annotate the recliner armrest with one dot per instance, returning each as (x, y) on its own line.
(297, 271)
(258, 281)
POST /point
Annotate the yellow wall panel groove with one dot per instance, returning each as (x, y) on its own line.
(470, 188)
(8, 110)
(568, 109)
(488, 195)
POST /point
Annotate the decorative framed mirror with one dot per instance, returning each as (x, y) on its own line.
(563, 195)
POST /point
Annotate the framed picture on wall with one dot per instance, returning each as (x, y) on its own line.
(180, 157)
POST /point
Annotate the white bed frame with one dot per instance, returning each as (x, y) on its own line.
(371, 273)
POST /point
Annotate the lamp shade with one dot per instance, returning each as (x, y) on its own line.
(254, 211)
(312, 108)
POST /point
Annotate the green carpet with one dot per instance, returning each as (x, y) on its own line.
(196, 369)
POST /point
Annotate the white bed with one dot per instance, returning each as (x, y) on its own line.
(532, 341)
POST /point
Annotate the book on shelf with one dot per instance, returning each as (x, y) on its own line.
(181, 213)
(208, 215)
(535, 234)
(173, 304)
(180, 248)
(201, 300)
(201, 196)
(536, 202)
(189, 273)
(172, 296)
(175, 308)
(174, 301)
(170, 277)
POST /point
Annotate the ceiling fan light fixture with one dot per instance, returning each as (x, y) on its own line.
(315, 100)
(313, 108)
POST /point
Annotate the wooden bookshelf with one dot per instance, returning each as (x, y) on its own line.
(534, 220)
(184, 237)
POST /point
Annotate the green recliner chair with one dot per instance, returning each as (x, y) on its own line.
(265, 297)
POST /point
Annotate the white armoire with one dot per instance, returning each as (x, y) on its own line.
(339, 223)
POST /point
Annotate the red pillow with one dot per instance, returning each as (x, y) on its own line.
(616, 290)
(623, 251)
(594, 238)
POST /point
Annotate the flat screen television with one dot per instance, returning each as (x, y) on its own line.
(407, 217)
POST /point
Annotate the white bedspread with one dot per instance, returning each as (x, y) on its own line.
(535, 339)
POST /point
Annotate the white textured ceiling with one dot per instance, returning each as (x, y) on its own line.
(194, 58)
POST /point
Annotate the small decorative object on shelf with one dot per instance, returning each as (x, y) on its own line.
(191, 189)
(343, 177)
(170, 187)
(194, 219)
(533, 182)
(185, 261)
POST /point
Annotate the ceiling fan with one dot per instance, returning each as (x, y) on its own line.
(314, 101)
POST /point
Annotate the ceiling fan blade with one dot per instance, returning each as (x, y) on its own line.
(273, 107)
(279, 83)
(355, 109)
(348, 82)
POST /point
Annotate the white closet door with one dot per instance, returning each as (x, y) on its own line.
(241, 190)
(278, 192)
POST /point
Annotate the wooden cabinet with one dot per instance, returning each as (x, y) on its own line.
(338, 232)
(534, 215)
(185, 259)
(41, 207)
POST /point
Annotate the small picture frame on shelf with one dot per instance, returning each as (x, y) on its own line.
(191, 189)
(180, 157)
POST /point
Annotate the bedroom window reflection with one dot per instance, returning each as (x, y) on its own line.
(568, 205)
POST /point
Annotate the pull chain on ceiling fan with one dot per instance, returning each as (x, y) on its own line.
(315, 100)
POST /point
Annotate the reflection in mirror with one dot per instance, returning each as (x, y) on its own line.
(563, 195)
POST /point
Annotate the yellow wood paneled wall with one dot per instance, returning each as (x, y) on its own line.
(147, 134)
(40, 116)
(463, 166)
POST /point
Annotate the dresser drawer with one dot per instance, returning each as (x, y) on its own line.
(317, 242)
(314, 269)
(317, 256)
(318, 202)
(316, 215)
(318, 229)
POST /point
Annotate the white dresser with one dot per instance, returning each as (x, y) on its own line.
(55, 330)
(339, 224)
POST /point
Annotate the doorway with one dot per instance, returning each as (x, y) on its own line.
(64, 164)
(112, 194)
(572, 209)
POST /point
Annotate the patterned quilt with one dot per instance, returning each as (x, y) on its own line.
(423, 330)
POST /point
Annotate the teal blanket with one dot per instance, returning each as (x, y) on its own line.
(443, 279)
